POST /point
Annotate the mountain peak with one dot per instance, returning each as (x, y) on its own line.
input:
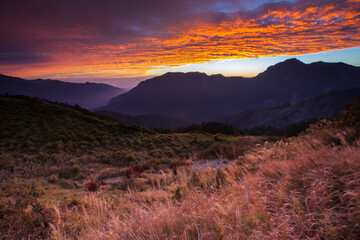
(289, 63)
(293, 61)
(192, 74)
(286, 67)
(217, 75)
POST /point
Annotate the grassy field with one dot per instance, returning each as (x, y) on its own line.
(55, 160)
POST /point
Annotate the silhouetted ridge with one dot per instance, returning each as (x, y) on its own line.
(324, 106)
(88, 95)
(197, 97)
(289, 63)
(282, 69)
(191, 74)
(217, 76)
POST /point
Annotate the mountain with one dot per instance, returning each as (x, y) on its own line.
(197, 97)
(87, 95)
(149, 121)
(324, 106)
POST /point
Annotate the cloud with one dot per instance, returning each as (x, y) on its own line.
(132, 36)
(8, 58)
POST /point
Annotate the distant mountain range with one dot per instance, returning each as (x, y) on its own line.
(324, 106)
(86, 95)
(197, 97)
(286, 93)
(149, 121)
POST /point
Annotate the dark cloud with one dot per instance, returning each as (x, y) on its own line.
(7, 58)
(28, 27)
(102, 35)
(102, 20)
(41, 25)
(111, 17)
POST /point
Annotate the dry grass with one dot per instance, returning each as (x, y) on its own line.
(305, 188)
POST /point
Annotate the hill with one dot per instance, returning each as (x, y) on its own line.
(87, 95)
(149, 121)
(48, 130)
(197, 97)
(323, 106)
(30, 124)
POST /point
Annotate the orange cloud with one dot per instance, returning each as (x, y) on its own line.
(275, 29)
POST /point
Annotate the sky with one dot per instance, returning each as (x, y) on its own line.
(122, 42)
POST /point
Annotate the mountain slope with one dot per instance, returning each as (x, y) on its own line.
(87, 95)
(33, 124)
(197, 97)
(149, 121)
(324, 106)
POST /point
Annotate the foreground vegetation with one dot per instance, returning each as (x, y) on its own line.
(138, 185)
(300, 189)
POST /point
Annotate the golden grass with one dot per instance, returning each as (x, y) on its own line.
(305, 188)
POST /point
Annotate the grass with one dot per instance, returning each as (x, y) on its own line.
(41, 139)
(306, 187)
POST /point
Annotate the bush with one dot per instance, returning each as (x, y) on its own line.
(54, 179)
(91, 186)
(68, 172)
(350, 118)
(21, 215)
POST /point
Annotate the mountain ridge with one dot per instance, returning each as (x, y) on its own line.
(317, 107)
(197, 97)
(87, 95)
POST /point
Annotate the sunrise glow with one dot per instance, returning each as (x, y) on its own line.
(79, 42)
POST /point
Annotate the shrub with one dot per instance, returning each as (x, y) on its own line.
(350, 116)
(22, 216)
(128, 172)
(54, 179)
(68, 172)
(137, 169)
(91, 186)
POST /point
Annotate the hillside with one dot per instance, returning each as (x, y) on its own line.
(323, 106)
(33, 125)
(87, 95)
(44, 130)
(197, 97)
(149, 121)
(54, 152)
(67, 173)
(297, 188)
